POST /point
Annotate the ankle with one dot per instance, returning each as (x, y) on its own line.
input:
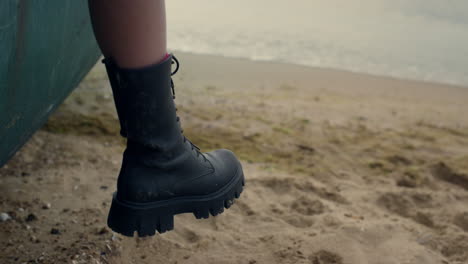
(142, 64)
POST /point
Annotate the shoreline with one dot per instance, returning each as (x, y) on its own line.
(344, 94)
(337, 70)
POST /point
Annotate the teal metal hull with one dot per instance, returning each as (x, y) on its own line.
(46, 48)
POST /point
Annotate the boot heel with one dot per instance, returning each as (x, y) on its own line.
(125, 219)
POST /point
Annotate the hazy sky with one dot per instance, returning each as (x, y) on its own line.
(373, 23)
(338, 12)
(412, 31)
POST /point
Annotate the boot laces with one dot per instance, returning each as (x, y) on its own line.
(194, 147)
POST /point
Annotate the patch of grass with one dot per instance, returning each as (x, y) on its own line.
(287, 87)
(283, 130)
(210, 87)
(68, 122)
(274, 146)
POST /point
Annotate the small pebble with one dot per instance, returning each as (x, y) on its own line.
(31, 217)
(21, 209)
(4, 217)
(34, 239)
(102, 231)
(55, 231)
(46, 206)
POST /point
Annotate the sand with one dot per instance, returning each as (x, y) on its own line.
(341, 168)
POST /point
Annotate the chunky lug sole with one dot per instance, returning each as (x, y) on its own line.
(145, 218)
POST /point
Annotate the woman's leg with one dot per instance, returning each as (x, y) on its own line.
(162, 172)
(131, 32)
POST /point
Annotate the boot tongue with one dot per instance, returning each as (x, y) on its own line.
(151, 117)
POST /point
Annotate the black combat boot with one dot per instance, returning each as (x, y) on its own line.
(112, 73)
(163, 173)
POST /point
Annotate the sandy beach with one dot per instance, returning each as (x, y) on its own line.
(341, 168)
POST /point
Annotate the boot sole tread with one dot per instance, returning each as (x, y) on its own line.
(147, 218)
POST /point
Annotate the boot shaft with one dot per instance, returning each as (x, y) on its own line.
(146, 103)
(117, 92)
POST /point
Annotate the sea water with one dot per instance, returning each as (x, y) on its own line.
(412, 39)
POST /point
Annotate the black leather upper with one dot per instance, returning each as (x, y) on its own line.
(159, 162)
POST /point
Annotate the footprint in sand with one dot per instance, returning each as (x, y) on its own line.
(190, 236)
(443, 172)
(409, 205)
(412, 180)
(299, 221)
(323, 193)
(395, 203)
(306, 206)
(245, 208)
(298, 213)
(325, 257)
(285, 186)
(455, 248)
(461, 220)
(399, 160)
(280, 186)
(333, 196)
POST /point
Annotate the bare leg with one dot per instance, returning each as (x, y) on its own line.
(132, 32)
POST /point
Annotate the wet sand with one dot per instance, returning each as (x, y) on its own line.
(340, 168)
